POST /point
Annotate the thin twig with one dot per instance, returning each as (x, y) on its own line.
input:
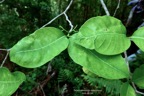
(64, 90)
(126, 60)
(5, 58)
(118, 6)
(52, 20)
(63, 13)
(4, 49)
(42, 90)
(136, 89)
(130, 16)
(105, 8)
(49, 68)
(2, 1)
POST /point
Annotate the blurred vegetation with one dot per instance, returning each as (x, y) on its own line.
(19, 18)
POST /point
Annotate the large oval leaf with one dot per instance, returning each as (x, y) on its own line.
(105, 34)
(127, 90)
(9, 82)
(38, 48)
(138, 78)
(110, 67)
(138, 38)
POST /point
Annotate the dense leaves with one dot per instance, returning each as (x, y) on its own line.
(105, 34)
(21, 17)
(110, 67)
(38, 48)
(9, 82)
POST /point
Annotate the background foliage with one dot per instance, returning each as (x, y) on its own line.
(19, 18)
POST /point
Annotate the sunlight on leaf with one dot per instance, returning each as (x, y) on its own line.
(38, 48)
(105, 34)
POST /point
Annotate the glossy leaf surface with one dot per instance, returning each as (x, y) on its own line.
(38, 48)
(110, 67)
(127, 90)
(138, 77)
(9, 82)
(105, 34)
(138, 38)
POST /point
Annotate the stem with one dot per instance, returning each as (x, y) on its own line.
(130, 15)
(5, 58)
(126, 59)
(105, 8)
(66, 16)
(136, 89)
(52, 20)
(49, 67)
(118, 6)
(4, 49)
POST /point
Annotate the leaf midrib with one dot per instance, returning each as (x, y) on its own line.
(136, 37)
(107, 63)
(100, 34)
(40, 47)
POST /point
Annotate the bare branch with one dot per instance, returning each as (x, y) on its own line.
(70, 23)
(4, 49)
(5, 58)
(136, 89)
(52, 20)
(2, 1)
(105, 8)
(130, 15)
(42, 90)
(118, 6)
(66, 16)
(49, 68)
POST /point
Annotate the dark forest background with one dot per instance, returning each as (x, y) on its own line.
(19, 18)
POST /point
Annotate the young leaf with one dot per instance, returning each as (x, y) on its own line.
(138, 78)
(127, 90)
(38, 48)
(105, 34)
(138, 38)
(110, 67)
(9, 82)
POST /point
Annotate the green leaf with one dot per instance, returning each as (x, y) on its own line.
(138, 38)
(38, 48)
(127, 90)
(138, 78)
(9, 82)
(85, 70)
(105, 34)
(110, 67)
